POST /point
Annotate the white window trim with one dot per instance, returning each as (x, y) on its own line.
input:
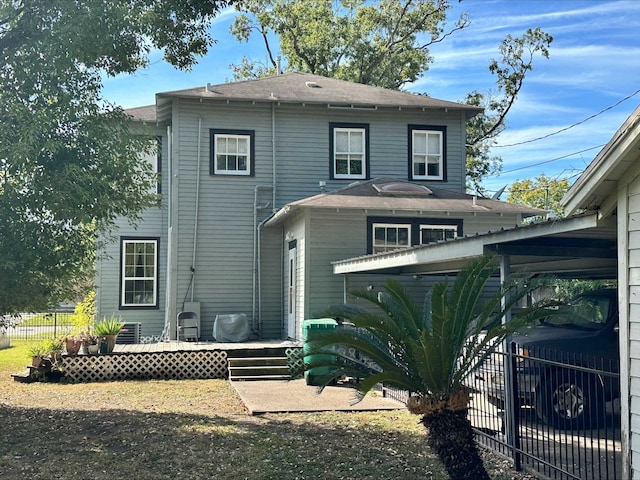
(388, 248)
(218, 171)
(426, 176)
(453, 228)
(124, 278)
(335, 152)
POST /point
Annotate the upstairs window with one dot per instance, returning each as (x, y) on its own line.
(232, 152)
(349, 151)
(427, 152)
(139, 273)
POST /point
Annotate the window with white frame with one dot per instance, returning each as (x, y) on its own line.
(390, 236)
(232, 152)
(427, 153)
(385, 234)
(437, 233)
(349, 151)
(139, 273)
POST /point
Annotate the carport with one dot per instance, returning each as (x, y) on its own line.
(577, 247)
(580, 247)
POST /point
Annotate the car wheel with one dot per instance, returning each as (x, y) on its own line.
(570, 400)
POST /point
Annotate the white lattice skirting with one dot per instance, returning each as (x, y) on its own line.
(157, 365)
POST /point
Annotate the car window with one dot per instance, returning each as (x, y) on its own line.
(587, 311)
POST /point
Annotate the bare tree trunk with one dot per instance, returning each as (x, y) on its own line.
(450, 436)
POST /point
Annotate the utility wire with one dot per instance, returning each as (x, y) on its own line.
(570, 126)
(549, 161)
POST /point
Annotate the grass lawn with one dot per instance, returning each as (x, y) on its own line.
(196, 429)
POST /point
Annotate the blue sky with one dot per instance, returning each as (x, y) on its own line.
(593, 65)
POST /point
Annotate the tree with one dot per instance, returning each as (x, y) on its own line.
(378, 43)
(517, 59)
(542, 192)
(428, 351)
(69, 161)
(371, 43)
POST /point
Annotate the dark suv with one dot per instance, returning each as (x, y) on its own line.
(567, 365)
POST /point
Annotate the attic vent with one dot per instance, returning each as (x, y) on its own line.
(402, 188)
(312, 84)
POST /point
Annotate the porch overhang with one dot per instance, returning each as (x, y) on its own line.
(578, 247)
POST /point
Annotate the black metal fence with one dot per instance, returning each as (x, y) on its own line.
(39, 326)
(553, 414)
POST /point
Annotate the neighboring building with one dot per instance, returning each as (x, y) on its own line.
(610, 188)
(266, 182)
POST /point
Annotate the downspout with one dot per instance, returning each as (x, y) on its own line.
(259, 262)
(256, 240)
(258, 230)
(167, 332)
(197, 205)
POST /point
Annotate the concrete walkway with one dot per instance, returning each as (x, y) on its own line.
(281, 396)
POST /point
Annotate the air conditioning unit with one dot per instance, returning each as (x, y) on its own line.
(130, 333)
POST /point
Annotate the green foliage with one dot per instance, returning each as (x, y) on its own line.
(517, 59)
(39, 349)
(430, 351)
(84, 313)
(542, 192)
(376, 43)
(109, 326)
(69, 161)
(568, 289)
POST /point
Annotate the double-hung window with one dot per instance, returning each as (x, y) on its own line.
(390, 236)
(349, 151)
(139, 273)
(427, 152)
(386, 234)
(437, 233)
(232, 152)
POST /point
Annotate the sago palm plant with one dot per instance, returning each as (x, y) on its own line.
(427, 351)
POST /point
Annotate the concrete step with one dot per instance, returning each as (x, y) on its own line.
(249, 378)
(257, 370)
(255, 361)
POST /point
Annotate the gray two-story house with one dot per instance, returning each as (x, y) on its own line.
(265, 182)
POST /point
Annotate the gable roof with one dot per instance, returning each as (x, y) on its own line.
(595, 188)
(297, 87)
(142, 114)
(402, 196)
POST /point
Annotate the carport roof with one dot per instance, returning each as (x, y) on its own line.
(577, 247)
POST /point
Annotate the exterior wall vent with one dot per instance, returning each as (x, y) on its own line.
(130, 334)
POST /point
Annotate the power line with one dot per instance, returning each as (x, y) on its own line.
(549, 161)
(570, 126)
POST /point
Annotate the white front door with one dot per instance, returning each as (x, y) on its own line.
(291, 292)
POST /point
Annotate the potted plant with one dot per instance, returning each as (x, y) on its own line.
(38, 353)
(109, 328)
(54, 347)
(72, 345)
(89, 342)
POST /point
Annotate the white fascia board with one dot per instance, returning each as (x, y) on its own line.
(460, 249)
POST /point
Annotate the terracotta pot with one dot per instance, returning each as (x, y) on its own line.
(37, 361)
(72, 346)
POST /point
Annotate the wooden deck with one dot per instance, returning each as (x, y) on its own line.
(173, 360)
(178, 346)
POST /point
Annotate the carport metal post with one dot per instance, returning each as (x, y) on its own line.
(509, 400)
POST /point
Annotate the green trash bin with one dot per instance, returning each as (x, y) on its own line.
(319, 375)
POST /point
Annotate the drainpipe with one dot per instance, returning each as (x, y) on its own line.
(196, 207)
(273, 156)
(259, 271)
(256, 240)
(169, 333)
